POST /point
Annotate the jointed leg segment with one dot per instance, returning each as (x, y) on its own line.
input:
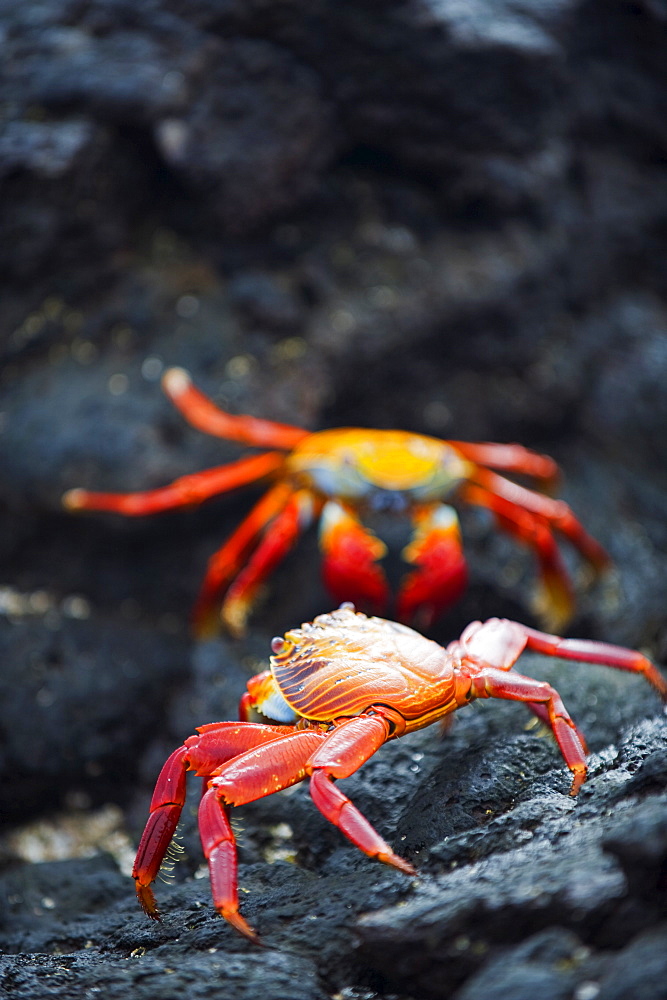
(493, 683)
(510, 458)
(556, 513)
(588, 651)
(492, 648)
(346, 748)
(276, 516)
(278, 538)
(217, 743)
(165, 811)
(532, 518)
(187, 491)
(242, 762)
(203, 414)
(339, 810)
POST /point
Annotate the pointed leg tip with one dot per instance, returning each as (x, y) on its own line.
(209, 620)
(240, 924)
(578, 778)
(552, 618)
(176, 381)
(233, 618)
(655, 678)
(74, 499)
(396, 861)
(147, 901)
(554, 602)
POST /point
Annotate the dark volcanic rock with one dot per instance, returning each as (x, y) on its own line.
(542, 889)
(79, 701)
(90, 896)
(256, 114)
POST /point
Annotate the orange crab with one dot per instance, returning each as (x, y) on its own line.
(343, 475)
(337, 689)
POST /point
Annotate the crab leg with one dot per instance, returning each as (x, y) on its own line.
(589, 651)
(165, 811)
(491, 682)
(187, 491)
(224, 564)
(499, 643)
(203, 414)
(218, 742)
(350, 553)
(343, 752)
(248, 777)
(219, 846)
(442, 575)
(278, 539)
(555, 603)
(510, 458)
(558, 514)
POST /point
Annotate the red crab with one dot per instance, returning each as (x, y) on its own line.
(342, 475)
(337, 689)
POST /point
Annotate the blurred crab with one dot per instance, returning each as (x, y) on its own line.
(342, 475)
(337, 689)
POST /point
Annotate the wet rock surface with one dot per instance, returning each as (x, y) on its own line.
(441, 217)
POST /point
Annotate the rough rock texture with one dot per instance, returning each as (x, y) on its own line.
(425, 214)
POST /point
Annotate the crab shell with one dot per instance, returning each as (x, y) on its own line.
(343, 662)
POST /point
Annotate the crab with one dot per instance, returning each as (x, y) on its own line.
(337, 690)
(343, 475)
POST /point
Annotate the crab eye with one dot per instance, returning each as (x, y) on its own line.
(278, 645)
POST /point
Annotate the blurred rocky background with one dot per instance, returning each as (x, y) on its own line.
(439, 216)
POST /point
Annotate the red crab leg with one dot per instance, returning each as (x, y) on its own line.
(224, 564)
(165, 810)
(589, 651)
(350, 552)
(278, 539)
(556, 512)
(510, 458)
(343, 752)
(556, 602)
(219, 846)
(491, 682)
(184, 492)
(442, 575)
(203, 414)
(248, 777)
(499, 643)
(218, 742)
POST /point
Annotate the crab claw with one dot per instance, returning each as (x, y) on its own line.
(350, 553)
(442, 573)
